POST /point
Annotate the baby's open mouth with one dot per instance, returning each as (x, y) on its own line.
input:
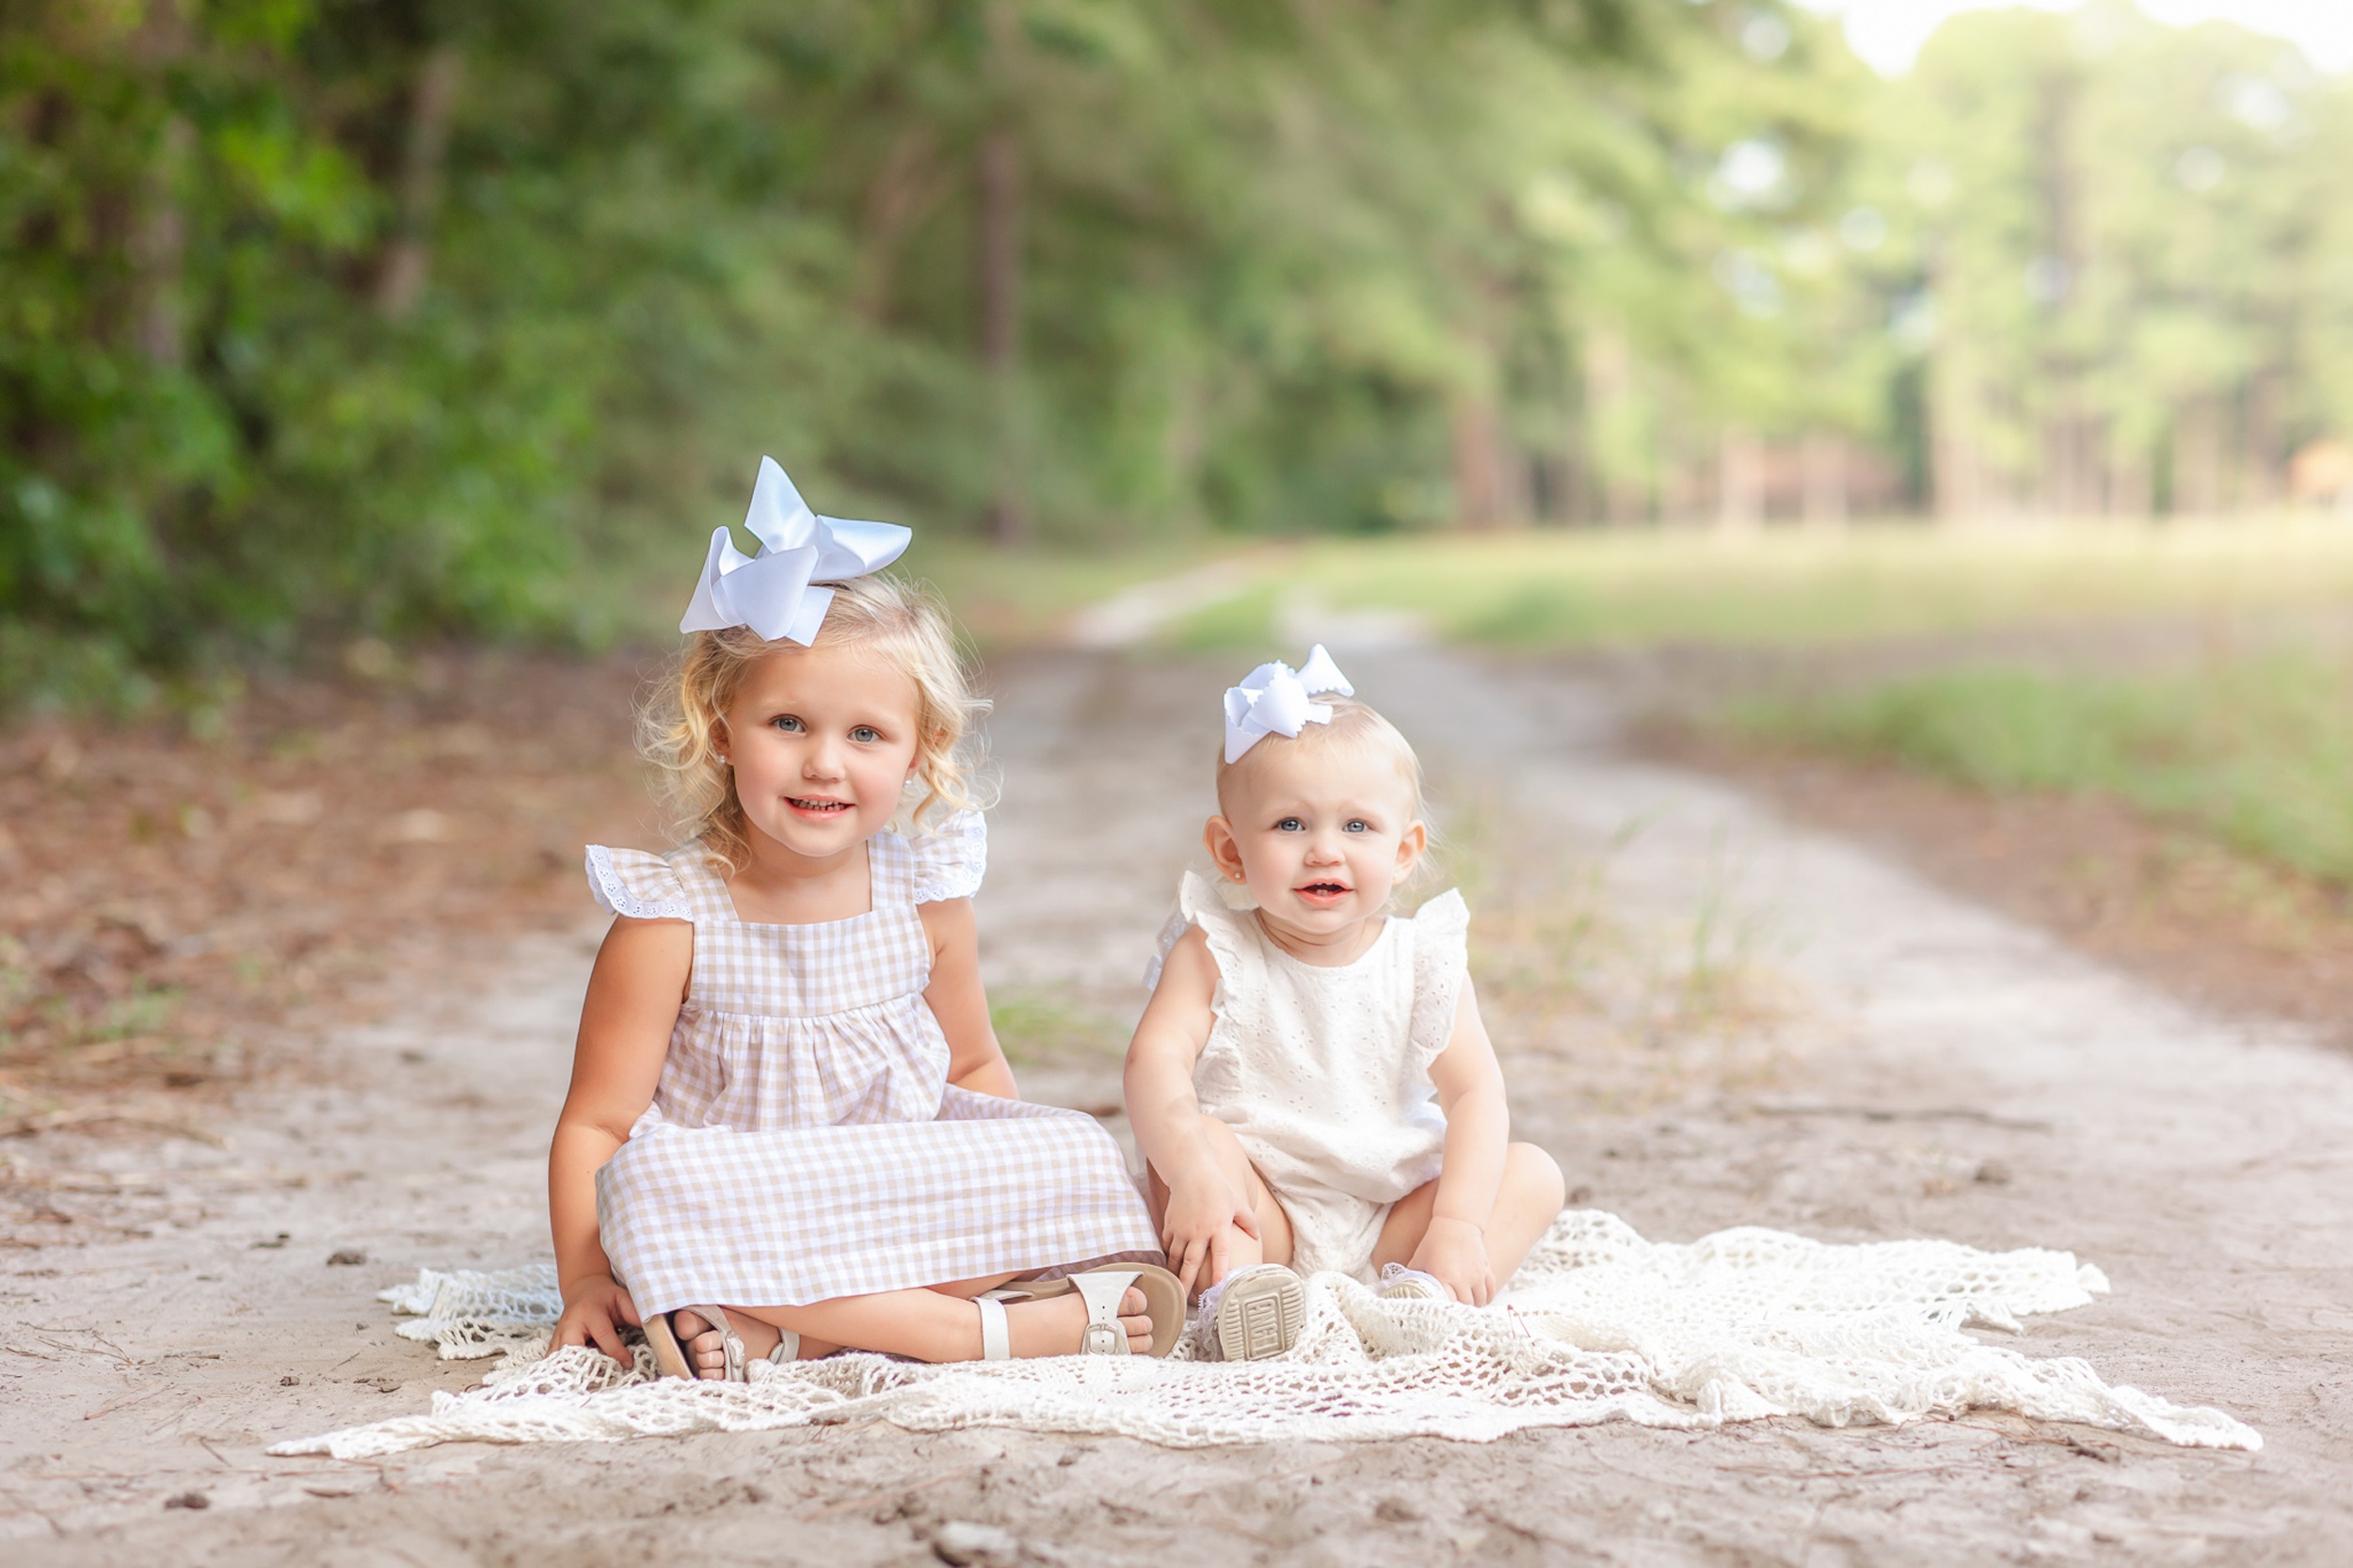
(1325, 890)
(822, 807)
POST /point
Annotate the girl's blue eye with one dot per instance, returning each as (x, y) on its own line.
(787, 723)
(1360, 826)
(866, 734)
(1291, 824)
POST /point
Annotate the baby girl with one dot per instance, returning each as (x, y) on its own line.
(1311, 1083)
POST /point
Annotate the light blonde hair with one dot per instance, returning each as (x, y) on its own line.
(1355, 726)
(903, 622)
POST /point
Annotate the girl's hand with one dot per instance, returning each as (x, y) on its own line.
(594, 1310)
(1455, 1250)
(1198, 1229)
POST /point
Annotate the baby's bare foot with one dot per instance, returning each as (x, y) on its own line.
(1058, 1324)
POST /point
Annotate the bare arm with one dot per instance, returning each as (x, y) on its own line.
(1478, 1131)
(625, 1022)
(1165, 1113)
(958, 1001)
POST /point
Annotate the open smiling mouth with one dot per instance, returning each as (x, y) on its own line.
(1325, 892)
(818, 807)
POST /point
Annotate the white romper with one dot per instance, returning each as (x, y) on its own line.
(804, 1142)
(1323, 1073)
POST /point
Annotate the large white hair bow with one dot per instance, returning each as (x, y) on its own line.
(1274, 699)
(770, 592)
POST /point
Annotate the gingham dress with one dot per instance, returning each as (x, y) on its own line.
(804, 1142)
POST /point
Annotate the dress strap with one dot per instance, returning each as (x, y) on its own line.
(890, 871)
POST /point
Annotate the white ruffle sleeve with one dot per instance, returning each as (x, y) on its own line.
(951, 859)
(1441, 960)
(632, 882)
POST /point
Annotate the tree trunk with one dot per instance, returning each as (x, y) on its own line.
(1954, 473)
(1001, 329)
(2132, 485)
(2198, 458)
(158, 241)
(1822, 470)
(1479, 500)
(2259, 462)
(401, 282)
(1740, 481)
(159, 252)
(1573, 480)
(903, 189)
(1609, 393)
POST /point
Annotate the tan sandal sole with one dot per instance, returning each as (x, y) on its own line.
(1163, 1300)
(669, 1356)
(1261, 1316)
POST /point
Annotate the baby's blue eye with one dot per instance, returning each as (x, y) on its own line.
(1360, 826)
(787, 723)
(866, 734)
(1291, 824)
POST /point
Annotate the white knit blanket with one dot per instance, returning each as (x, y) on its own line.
(1599, 1325)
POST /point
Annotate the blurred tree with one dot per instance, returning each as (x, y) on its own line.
(2120, 236)
(411, 317)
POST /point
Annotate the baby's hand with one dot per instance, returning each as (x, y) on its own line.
(594, 1310)
(1455, 1250)
(1198, 1229)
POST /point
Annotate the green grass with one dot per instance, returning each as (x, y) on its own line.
(1035, 1026)
(1789, 587)
(2256, 751)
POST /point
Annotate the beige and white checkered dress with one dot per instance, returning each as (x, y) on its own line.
(804, 1142)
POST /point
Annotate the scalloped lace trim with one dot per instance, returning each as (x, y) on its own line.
(614, 896)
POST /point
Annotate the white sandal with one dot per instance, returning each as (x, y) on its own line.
(1103, 1289)
(1401, 1284)
(670, 1359)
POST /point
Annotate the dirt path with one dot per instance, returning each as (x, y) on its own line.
(1930, 1068)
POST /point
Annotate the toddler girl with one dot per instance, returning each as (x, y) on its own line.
(1311, 1083)
(789, 1127)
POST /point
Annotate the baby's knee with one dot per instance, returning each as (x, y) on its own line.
(1537, 1173)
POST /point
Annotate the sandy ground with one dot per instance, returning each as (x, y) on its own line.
(1885, 1061)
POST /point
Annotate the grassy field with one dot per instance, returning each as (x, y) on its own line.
(1787, 587)
(2254, 750)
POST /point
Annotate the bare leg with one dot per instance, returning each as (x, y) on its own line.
(1273, 1243)
(1528, 1201)
(928, 1325)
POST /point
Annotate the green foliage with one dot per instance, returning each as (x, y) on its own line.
(411, 318)
(1797, 587)
(2113, 244)
(2256, 750)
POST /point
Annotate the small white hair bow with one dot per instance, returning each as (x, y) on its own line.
(1274, 699)
(770, 592)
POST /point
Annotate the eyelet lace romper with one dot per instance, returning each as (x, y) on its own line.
(804, 1142)
(1323, 1074)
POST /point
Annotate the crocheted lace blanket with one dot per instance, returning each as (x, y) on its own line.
(1599, 1325)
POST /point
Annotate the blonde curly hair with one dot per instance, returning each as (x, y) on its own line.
(904, 622)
